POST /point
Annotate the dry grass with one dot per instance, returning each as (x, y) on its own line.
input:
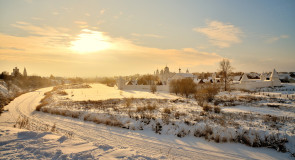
(207, 108)
(128, 101)
(151, 107)
(62, 93)
(217, 109)
(22, 122)
(270, 119)
(38, 108)
(178, 114)
(45, 100)
(167, 111)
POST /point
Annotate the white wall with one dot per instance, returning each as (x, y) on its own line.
(253, 85)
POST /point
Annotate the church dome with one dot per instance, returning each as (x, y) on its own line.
(166, 70)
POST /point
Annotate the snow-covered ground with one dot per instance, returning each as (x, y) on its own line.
(259, 110)
(98, 141)
(23, 144)
(102, 92)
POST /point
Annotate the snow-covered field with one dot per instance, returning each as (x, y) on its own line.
(99, 141)
(259, 110)
(103, 92)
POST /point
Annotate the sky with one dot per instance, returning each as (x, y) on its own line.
(110, 38)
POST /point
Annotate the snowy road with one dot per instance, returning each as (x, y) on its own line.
(142, 142)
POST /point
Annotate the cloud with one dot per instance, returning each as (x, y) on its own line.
(146, 35)
(221, 34)
(51, 34)
(102, 11)
(12, 48)
(186, 57)
(55, 13)
(274, 39)
(52, 46)
(37, 18)
(82, 24)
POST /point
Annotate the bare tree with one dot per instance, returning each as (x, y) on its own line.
(225, 70)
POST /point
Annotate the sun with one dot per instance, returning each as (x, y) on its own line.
(90, 41)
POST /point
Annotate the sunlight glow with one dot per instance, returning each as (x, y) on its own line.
(90, 41)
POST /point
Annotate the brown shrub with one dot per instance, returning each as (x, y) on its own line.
(184, 86)
(22, 122)
(128, 101)
(97, 121)
(206, 93)
(224, 139)
(86, 117)
(46, 110)
(53, 128)
(151, 107)
(153, 88)
(270, 118)
(165, 118)
(38, 108)
(208, 130)
(176, 115)
(217, 138)
(217, 109)
(167, 111)
(207, 108)
(113, 122)
(197, 118)
(62, 93)
(75, 114)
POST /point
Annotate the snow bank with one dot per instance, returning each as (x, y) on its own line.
(23, 144)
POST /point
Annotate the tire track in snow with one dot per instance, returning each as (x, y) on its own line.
(113, 136)
(108, 135)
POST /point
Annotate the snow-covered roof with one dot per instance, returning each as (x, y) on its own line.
(274, 74)
(236, 78)
(182, 75)
(244, 78)
(283, 76)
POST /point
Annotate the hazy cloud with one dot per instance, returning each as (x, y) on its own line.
(274, 39)
(82, 24)
(37, 36)
(102, 11)
(146, 35)
(221, 34)
(45, 31)
(36, 18)
(55, 13)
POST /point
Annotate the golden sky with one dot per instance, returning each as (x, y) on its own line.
(102, 38)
